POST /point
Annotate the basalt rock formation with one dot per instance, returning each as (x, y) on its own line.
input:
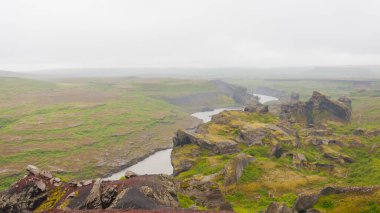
(39, 192)
(217, 147)
(318, 109)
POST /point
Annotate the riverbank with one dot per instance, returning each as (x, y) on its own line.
(154, 163)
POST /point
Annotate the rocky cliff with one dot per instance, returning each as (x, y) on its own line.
(296, 162)
(317, 110)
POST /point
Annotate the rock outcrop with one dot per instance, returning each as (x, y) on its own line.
(318, 109)
(35, 192)
(253, 136)
(218, 147)
(256, 107)
(205, 193)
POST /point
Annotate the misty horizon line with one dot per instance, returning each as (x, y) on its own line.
(189, 67)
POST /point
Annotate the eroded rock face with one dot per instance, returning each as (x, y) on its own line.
(219, 147)
(305, 202)
(234, 169)
(340, 109)
(27, 196)
(250, 136)
(183, 158)
(30, 192)
(36, 192)
(317, 109)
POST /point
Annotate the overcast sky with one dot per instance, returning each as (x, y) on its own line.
(39, 34)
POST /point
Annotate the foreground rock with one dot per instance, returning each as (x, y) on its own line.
(35, 192)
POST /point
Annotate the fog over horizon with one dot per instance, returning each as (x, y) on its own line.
(52, 34)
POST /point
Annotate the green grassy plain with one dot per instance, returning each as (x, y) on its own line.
(84, 128)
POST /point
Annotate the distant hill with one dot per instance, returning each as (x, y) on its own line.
(11, 74)
(311, 72)
(341, 73)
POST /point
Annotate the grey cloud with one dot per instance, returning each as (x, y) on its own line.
(177, 33)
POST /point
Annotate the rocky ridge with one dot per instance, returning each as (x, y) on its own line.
(317, 110)
(41, 191)
(243, 161)
(269, 158)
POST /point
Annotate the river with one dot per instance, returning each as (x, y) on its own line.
(159, 162)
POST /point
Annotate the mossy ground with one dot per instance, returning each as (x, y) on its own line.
(271, 179)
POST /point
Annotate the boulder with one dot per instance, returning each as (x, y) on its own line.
(305, 202)
(275, 207)
(129, 174)
(207, 194)
(40, 185)
(251, 136)
(336, 142)
(373, 133)
(234, 169)
(217, 147)
(316, 141)
(299, 160)
(34, 170)
(359, 132)
(256, 107)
